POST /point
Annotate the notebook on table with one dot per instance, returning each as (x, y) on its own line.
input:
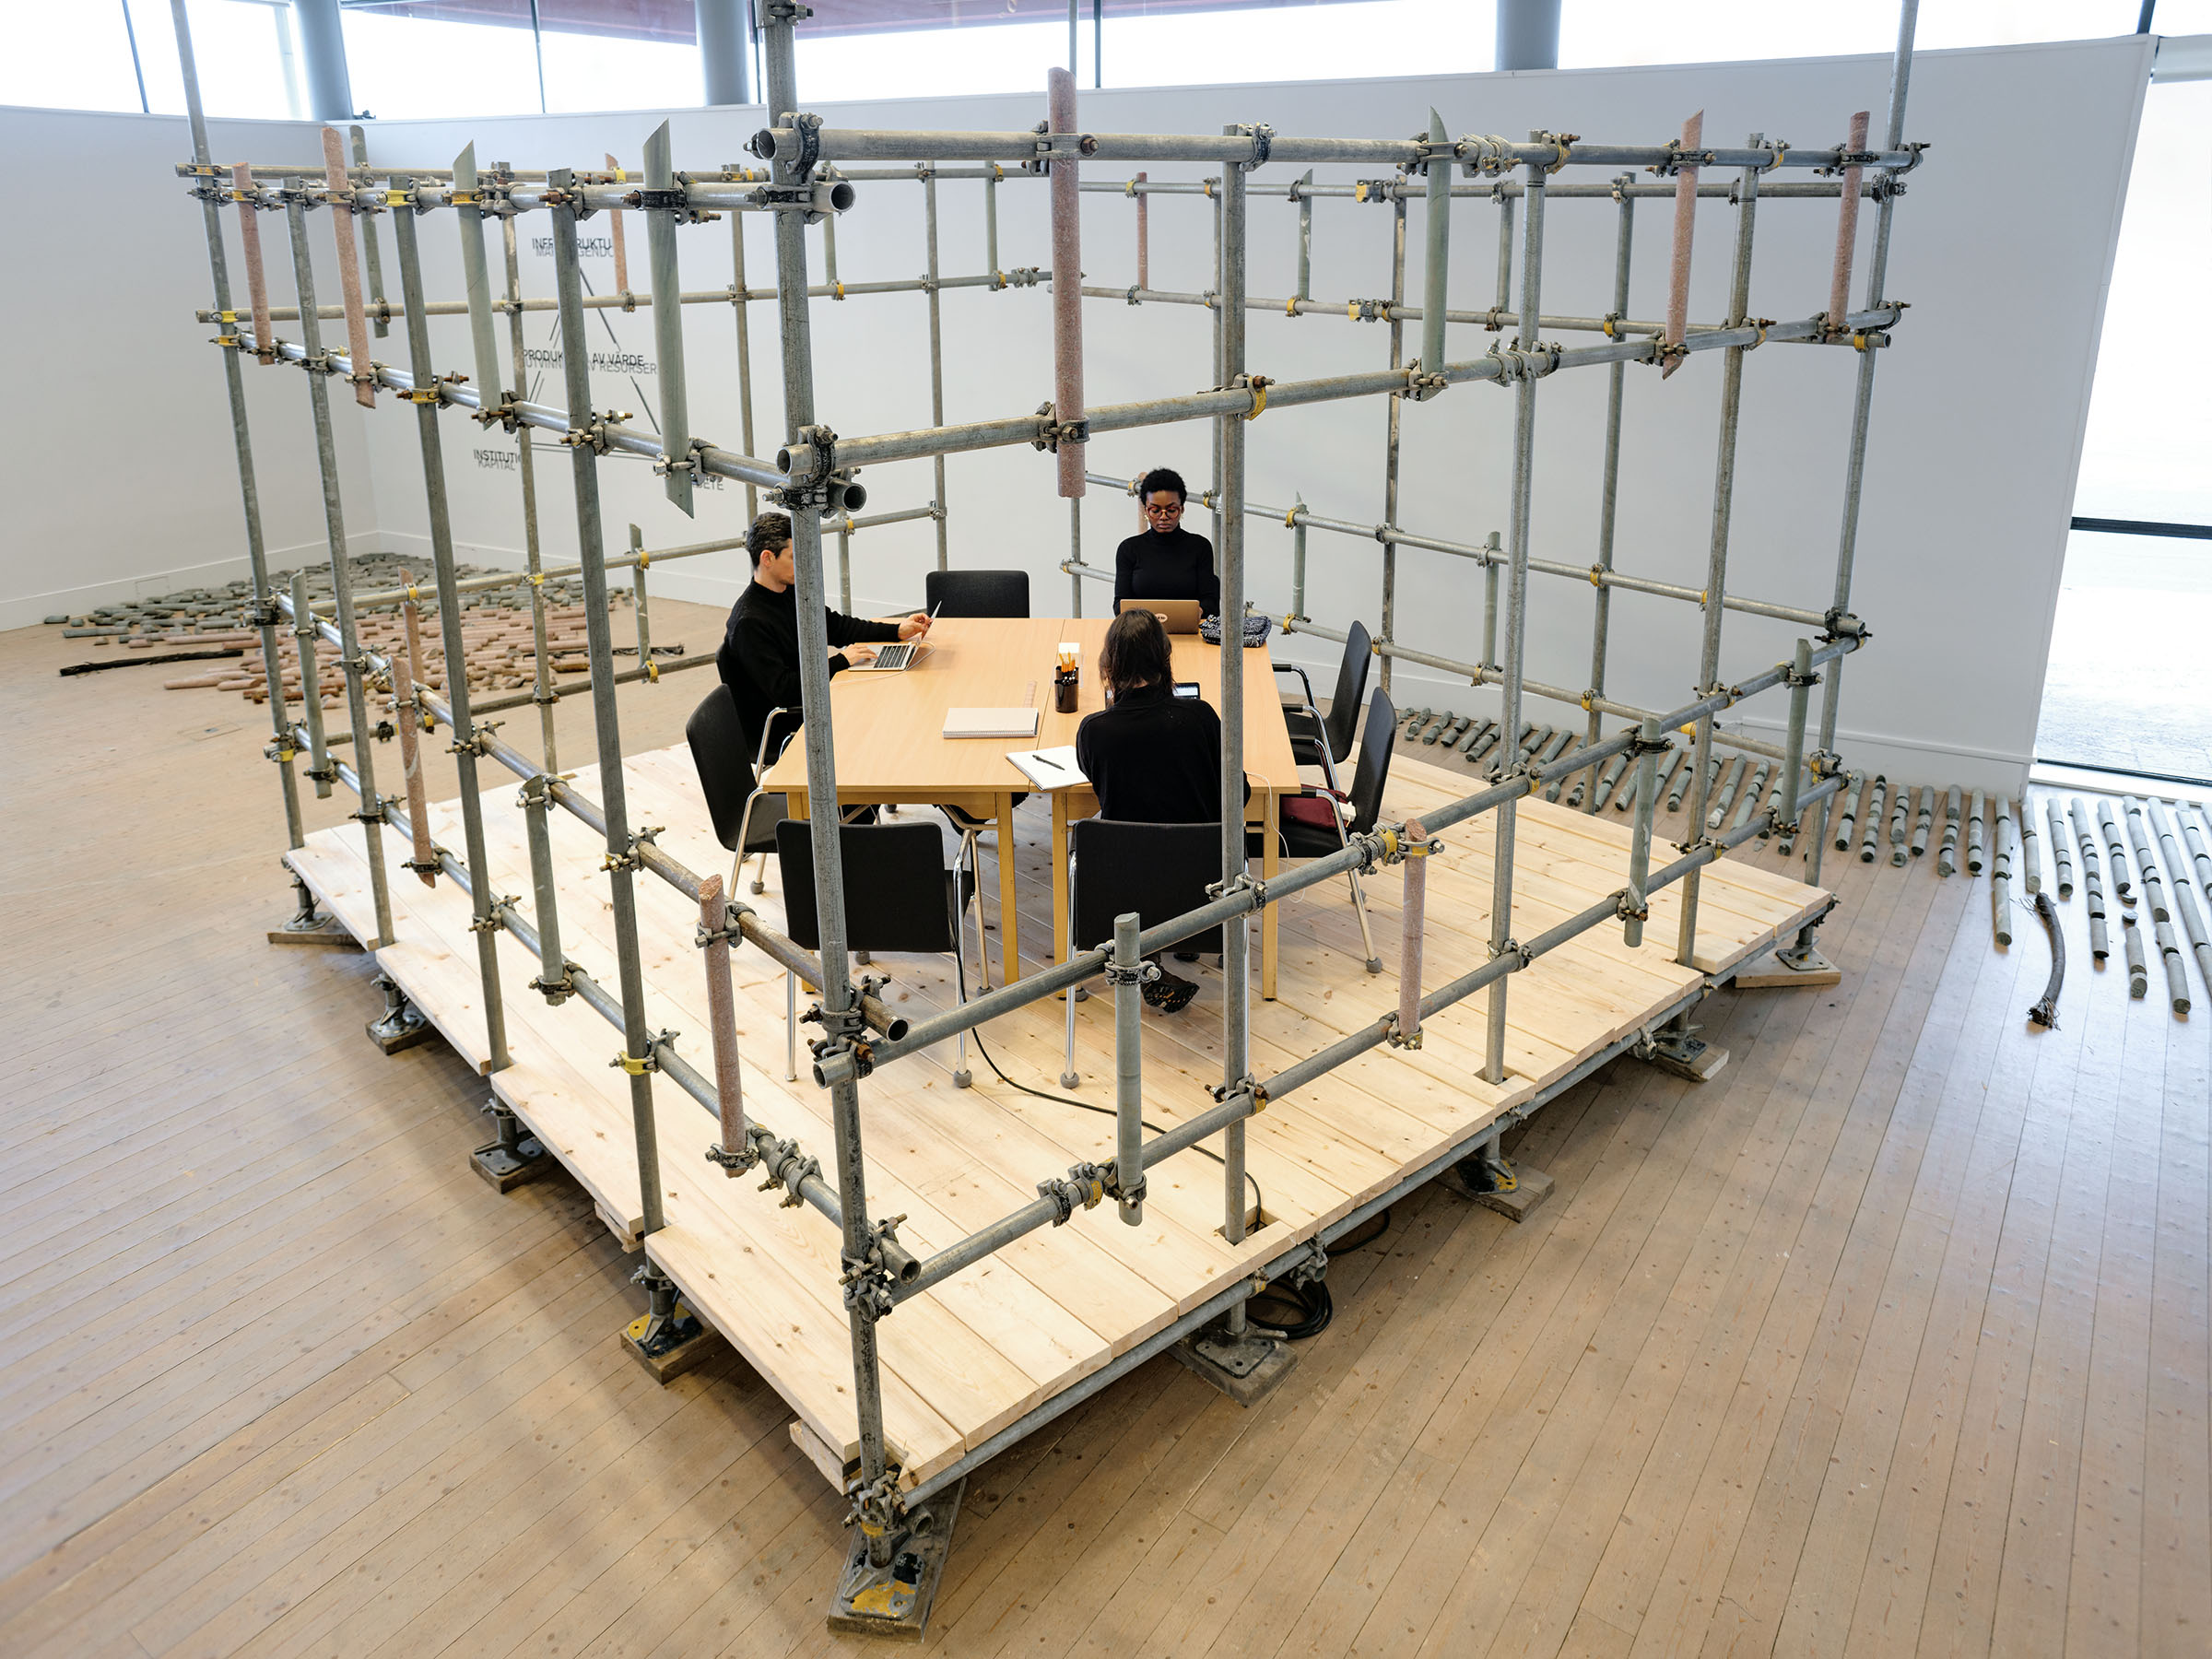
(1049, 768)
(990, 722)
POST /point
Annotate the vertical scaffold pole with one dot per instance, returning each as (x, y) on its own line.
(425, 398)
(1390, 447)
(311, 695)
(352, 661)
(1724, 503)
(591, 548)
(371, 253)
(541, 692)
(1854, 465)
(1609, 491)
(265, 607)
(1516, 609)
(1128, 1070)
(928, 170)
(1435, 268)
(1236, 941)
(1648, 745)
(740, 306)
(840, 1007)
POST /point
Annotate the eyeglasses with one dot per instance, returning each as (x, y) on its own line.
(1172, 510)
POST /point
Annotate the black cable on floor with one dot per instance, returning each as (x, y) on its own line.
(976, 1036)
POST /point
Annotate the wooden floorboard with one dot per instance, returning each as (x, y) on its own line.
(1895, 1337)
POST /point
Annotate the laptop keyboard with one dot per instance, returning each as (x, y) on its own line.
(893, 656)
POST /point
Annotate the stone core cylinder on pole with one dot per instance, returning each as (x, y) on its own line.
(1068, 284)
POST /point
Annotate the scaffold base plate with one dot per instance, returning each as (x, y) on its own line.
(1690, 1057)
(405, 1030)
(507, 1168)
(327, 931)
(892, 1603)
(1783, 970)
(1247, 1368)
(685, 1345)
(1530, 1188)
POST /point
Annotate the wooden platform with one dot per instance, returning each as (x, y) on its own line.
(964, 1361)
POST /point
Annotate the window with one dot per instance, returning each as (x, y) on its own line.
(79, 56)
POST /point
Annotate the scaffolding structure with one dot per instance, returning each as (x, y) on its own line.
(807, 180)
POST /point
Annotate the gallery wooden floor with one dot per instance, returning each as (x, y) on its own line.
(1892, 1338)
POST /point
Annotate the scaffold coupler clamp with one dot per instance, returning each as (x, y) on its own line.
(690, 463)
(1523, 956)
(1791, 677)
(1129, 1196)
(1313, 1269)
(806, 462)
(1083, 1187)
(784, 1164)
(1137, 973)
(1423, 383)
(733, 1163)
(1263, 139)
(1632, 906)
(844, 1054)
(594, 437)
(879, 1507)
(555, 991)
(1245, 882)
(1248, 1086)
(731, 931)
(868, 1281)
(1638, 747)
(1840, 624)
(1054, 431)
(478, 741)
(1485, 155)
(494, 918)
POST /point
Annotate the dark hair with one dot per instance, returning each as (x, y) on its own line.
(1166, 478)
(767, 533)
(1137, 652)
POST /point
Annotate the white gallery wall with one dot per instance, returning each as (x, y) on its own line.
(121, 474)
(1978, 414)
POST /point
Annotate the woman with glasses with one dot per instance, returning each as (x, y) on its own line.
(1164, 560)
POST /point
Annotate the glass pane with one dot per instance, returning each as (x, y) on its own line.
(73, 57)
(418, 62)
(78, 57)
(1334, 41)
(2151, 422)
(2129, 687)
(1598, 32)
(607, 71)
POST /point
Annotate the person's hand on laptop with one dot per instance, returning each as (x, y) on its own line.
(914, 627)
(854, 655)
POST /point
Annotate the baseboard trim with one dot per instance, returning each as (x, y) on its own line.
(27, 610)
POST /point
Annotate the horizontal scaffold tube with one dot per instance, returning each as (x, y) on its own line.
(364, 175)
(1240, 1104)
(1497, 321)
(1386, 190)
(380, 311)
(723, 464)
(1361, 852)
(1498, 365)
(1493, 155)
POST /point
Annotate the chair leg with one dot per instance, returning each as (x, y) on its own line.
(791, 1028)
(961, 1077)
(1367, 939)
(761, 875)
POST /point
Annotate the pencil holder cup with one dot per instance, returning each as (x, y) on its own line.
(1065, 685)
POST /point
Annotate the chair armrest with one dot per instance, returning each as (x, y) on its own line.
(763, 760)
(1304, 678)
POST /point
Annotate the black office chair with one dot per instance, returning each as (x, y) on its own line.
(1323, 740)
(1160, 871)
(1314, 824)
(745, 818)
(977, 592)
(898, 895)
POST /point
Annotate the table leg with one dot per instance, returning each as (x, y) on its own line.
(1009, 926)
(1270, 861)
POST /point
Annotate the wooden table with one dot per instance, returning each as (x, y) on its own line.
(891, 746)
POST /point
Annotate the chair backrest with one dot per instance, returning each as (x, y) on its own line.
(977, 592)
(1373, 769)
(1351, 690)
(897, 888)
(1158, 870)
(724, 759)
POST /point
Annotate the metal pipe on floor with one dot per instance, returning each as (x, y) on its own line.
(1901, 804)
(2131, 944)
(2154, 884)
(1974, 850)
(1946, 854)
(1924, 820)
(2184, 897)
(2061, 858)
(2032, 864)
(2000, 874)
(2115, 849)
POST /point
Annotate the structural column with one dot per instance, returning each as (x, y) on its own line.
(323, 45)
(721, 50)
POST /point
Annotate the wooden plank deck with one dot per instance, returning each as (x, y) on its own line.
(966, 1360)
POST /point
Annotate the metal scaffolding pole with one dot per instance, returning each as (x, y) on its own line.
(1390, 445)
(936, 355)
(526, 465)
(875, 1493)
(1862, 409)
(622, 848)
(1516, 609)
(218, 268)
(1236, 943)
(1609, 489)
(1723, 501)
(456, 650)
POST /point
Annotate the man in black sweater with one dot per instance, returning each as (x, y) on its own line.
(760, 655)
(1166, 562)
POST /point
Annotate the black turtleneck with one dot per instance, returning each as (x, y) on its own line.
(760, 657)
(1176, 565)
(1154, 758)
